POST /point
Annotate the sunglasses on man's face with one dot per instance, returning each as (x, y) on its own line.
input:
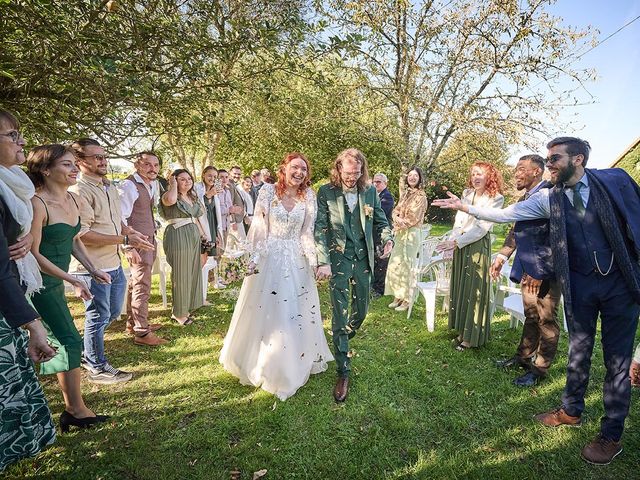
(554, 158)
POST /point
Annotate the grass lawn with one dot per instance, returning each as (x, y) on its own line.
(417, 409)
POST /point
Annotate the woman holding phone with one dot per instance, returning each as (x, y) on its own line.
(208, 191)
(182, 243)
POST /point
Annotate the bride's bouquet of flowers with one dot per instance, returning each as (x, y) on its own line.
(233, 269)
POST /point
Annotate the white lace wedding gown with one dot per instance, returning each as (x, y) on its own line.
(275, 339)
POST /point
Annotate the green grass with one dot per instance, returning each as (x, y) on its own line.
(417, 409)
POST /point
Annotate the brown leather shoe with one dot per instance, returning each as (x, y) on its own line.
(557, 417)
(150, 339)
(341, 389)
(153, 327)
(601, 451)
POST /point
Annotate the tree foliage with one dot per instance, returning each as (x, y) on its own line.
(449, 66)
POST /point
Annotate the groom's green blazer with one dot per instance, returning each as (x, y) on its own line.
(330, 234)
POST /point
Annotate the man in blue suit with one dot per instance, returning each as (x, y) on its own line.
(533, 269)
(595, 235)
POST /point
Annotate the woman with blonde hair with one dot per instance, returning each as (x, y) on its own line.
(408, 218)
(470, 244)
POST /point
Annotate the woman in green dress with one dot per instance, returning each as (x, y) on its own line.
(470, 244)
(55, 228)
(182, 239)
(26, 426)
(408, 218)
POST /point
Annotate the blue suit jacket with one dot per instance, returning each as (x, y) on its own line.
(625, 196)
(533, 254)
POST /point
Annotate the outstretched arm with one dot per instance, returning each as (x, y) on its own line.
(536, 206)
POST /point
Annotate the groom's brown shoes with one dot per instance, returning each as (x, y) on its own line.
(341, 389)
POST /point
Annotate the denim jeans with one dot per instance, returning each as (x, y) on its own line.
(104, 308)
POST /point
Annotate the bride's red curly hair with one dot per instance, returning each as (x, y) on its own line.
(281, 184)
(494, 184)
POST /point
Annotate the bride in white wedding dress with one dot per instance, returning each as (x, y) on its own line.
(275, 339)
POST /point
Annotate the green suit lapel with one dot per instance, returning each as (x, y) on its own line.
(361, 204)
(340, 203)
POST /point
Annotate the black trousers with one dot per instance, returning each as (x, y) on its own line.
(608, 297)
(379, 274)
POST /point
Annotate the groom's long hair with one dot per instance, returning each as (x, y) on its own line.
(358, 157)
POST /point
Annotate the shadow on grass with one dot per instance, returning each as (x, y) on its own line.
(417, 409)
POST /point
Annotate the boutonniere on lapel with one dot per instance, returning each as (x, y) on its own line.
(368, 211)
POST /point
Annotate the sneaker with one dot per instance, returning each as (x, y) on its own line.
(84, 364)
(394, 304)
(109, 375)
(601, 451)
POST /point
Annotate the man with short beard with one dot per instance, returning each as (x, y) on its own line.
(595, 235)
(101, 233)
(137, 194)
(236, 234)
(533, 270)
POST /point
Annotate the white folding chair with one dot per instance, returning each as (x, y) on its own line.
(210, 265)
(438, 276)
(507, 296)
(424, 258)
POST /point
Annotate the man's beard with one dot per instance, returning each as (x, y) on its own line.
(566, 173)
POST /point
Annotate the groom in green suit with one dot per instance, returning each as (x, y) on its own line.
(348, 212)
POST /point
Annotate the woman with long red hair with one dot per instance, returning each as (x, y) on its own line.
(470, 245)
(275, 339)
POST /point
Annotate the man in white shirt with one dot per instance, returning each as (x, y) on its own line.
(138, 194)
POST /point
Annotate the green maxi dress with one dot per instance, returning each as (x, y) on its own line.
(470, 298)
(470, 294)
(51, 304)
(182, 248)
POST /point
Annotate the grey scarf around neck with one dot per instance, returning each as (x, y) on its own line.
(612, 229)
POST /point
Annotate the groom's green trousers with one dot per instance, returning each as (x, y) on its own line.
(350, 281)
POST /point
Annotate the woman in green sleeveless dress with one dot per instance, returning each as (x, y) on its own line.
(55, 228)
(181, 208)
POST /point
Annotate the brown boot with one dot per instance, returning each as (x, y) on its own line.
(150, 339)
(557, 417)
(341, 389)
(153, 327)
(601, 451)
